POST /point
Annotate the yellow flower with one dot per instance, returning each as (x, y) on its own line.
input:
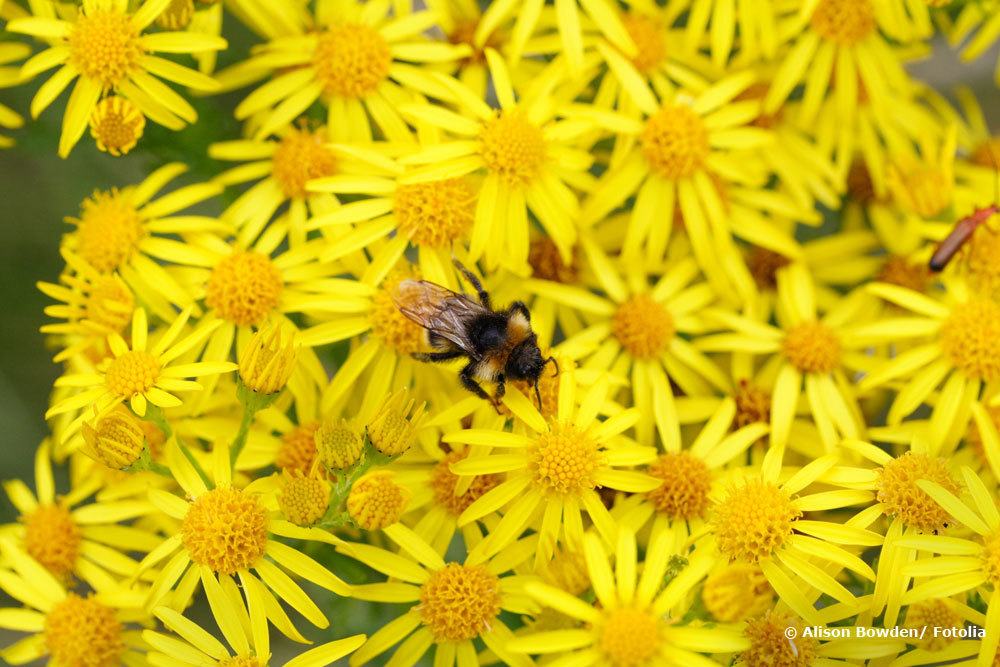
(303, 498)
(953, 354)
(665, 53)
(103, 47)
(355, 60)
(68, 628)
(531, 161)
(127, 230)
(479, 28)
(833, 44)
(689, 477)
(382, 358)
(227, 533)
(452, 603)
(138, 373)
(435, 216)
(964, 564)
(628, 625)
(245, 286)
(684, 152)
(376, 501)
(554, 470)
(924, 185)
(116, 439)
(759, 522)
(641, 332)
(901, 498)
(808, 350)
(72, 538)
(280, 168)
(94, 305)
(198, 646)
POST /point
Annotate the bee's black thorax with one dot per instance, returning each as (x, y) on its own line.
(488, 332)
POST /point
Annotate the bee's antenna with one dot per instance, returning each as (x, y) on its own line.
(554, 363)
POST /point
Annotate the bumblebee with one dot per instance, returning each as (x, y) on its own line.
(499, 344)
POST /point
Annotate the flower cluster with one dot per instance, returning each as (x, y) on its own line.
(757, 256)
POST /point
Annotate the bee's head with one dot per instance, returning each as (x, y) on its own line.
(525, 361)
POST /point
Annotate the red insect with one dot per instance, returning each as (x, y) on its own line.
(962, 232)
(959, 235)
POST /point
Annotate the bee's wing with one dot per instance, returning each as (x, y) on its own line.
(438, 310)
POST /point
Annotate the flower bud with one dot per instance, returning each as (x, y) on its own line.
(115, 439)
(338, 444)
(268, 359)
(303, 499)
(393, 429)
(376, 501)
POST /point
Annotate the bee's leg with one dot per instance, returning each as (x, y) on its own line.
(520, 307)
(468, 378)
(501, 389)
(437, 356)
(439, 342)
(484, 296)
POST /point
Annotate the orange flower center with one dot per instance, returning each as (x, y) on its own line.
(116, 125)
(643, 327)
(443, 482)
(898, 490)
(812, 347)
(565, 460)
(844, 22)
(351, 60)
(226, 530)
(435, 214)
(108, 231)
(459, 602)
(133, 373)
(675, 142)
(753, 521)
(629, 637)
(301, 156)
(971, 339)
(82, 632)
(53, 539)
(244, 288)
(769, 645)
(648, 35)
(513, 148)
(104, 46)
(376, 501)
(685, 488)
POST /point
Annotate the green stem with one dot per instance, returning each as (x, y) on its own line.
(155, 414)
(145, 463)
(194, 463)
(252, 404)
(337, 515)
(241, 436)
